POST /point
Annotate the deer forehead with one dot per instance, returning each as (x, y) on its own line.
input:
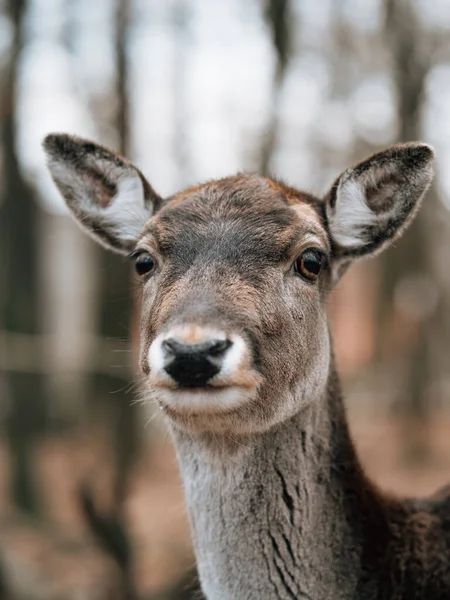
(247, 213)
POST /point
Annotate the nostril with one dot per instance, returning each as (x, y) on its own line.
(218, 347)
(172, 346)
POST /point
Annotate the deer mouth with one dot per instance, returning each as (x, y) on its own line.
(210, 400)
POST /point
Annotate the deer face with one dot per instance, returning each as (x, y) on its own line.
(234, 274)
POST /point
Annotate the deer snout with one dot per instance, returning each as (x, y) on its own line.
(193, 365)
(200, 368)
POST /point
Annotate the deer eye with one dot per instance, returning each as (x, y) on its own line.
(309, 264)
(143, 263)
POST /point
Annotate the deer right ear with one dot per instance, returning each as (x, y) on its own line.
(107, 195)
(371, 204)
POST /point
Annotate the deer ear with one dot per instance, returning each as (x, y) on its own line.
(371, 204)
(106, 194)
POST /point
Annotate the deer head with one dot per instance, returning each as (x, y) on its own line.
(235, 273)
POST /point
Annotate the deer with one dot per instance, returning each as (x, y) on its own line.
(237, 353)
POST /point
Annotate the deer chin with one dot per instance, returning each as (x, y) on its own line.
(207, 411)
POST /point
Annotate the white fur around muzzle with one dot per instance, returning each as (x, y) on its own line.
(214, 399)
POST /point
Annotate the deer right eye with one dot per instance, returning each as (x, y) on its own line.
(309, 264)
(144, 264)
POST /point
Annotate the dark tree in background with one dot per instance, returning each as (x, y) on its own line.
(116, 305)
(19, 318)
(278, 16)
(411, 62)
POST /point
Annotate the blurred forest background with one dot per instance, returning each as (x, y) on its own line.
(90, 501)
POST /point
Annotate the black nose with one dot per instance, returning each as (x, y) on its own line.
(193, 365)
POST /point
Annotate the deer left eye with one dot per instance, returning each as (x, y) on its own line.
(144, 263)
(309, 264)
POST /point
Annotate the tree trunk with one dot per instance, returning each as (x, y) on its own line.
(413, 254)
(116, 306)
(278, 19)
(19, 278)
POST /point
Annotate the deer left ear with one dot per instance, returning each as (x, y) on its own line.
(107, 195)
(371, 204)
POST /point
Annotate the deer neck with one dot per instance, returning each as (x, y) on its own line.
(271, 516)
